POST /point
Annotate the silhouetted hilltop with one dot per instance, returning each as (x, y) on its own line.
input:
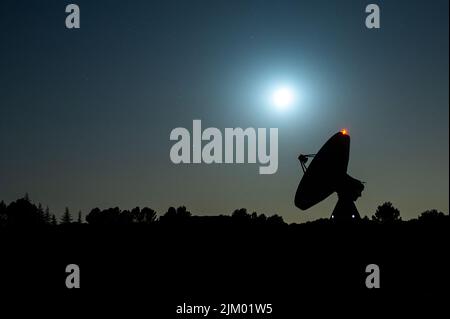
(22, 213)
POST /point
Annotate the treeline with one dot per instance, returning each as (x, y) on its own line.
(24, 213)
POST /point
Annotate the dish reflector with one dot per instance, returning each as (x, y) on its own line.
(327, 174)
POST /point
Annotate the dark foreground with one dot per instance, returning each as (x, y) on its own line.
(153, 269)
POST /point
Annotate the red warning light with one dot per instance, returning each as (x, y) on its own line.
(344, 131)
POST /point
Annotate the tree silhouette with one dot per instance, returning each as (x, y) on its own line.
(386, 214)
(177, 216)
(47, 218)
(275, 220)
(66, 218)
(94, 216)
(41, 213)
(126, 218)
(23, 213)
(258, 219)
(110, 216)
(80, 217)
(136, 214)
(53, 220)
(148, 215)
(182, 212)
(241, 216)
(433, 216)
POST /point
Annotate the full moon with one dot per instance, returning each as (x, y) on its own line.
(283, 98)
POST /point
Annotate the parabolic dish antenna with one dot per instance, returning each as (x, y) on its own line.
(327, 174)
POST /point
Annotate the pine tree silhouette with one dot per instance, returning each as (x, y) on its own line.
(66, 218)
(47, 217)
(53, 220)
(41, 213)
(80, 219)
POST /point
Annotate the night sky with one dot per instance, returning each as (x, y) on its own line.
(85, 115)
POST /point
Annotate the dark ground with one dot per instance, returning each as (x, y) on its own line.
(151, 269)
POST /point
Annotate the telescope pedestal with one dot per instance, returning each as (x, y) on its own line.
(345, 210)
(348, 192)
